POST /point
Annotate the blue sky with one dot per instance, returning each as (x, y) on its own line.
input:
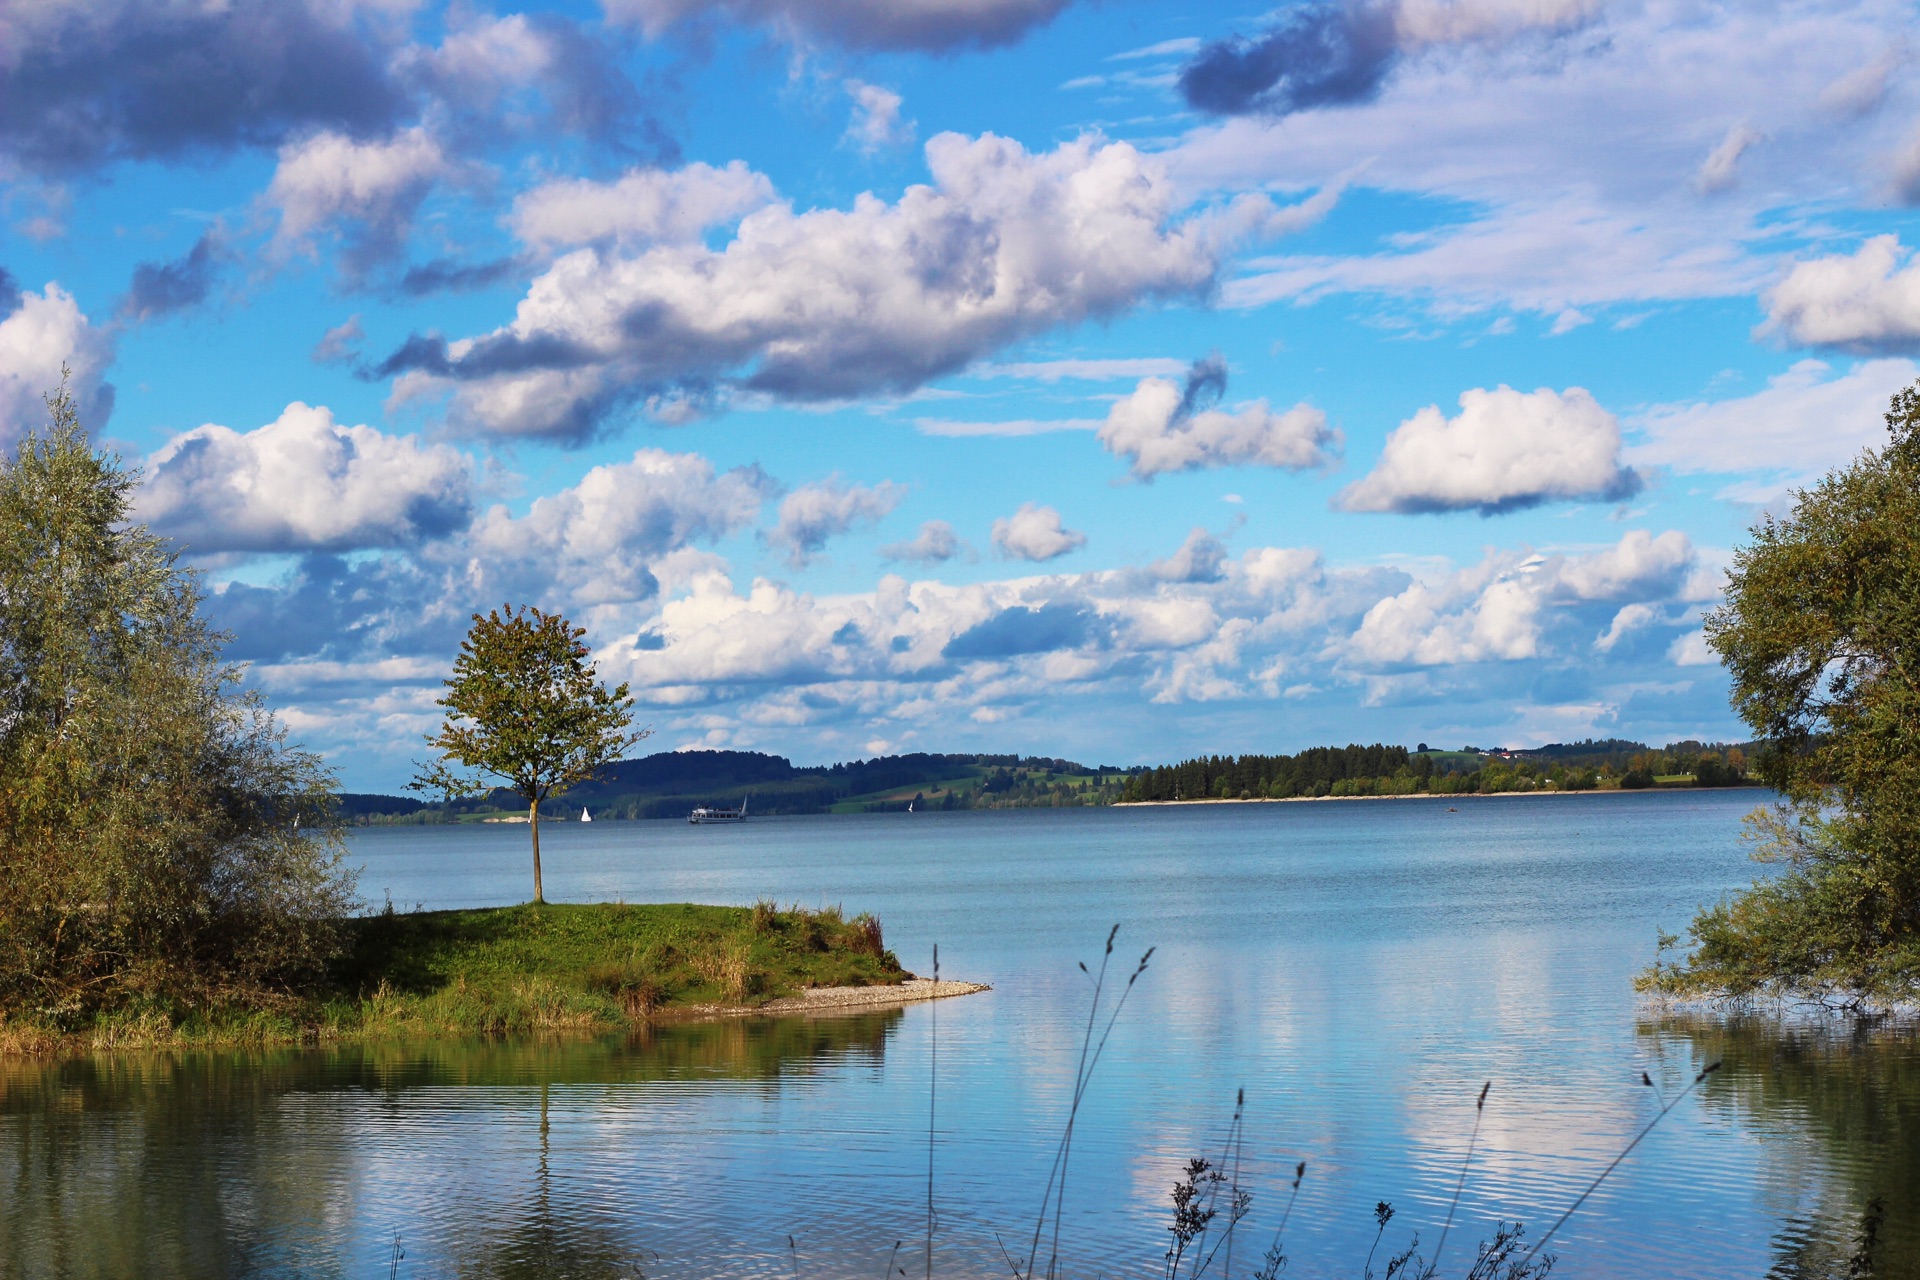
(1109, 380)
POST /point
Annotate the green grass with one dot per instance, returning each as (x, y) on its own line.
(900, 795)
(963, 785)
(690, 954)
(520, 970)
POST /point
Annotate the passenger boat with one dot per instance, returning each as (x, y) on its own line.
(720, 815)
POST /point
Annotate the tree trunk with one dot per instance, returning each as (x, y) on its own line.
(533, 824)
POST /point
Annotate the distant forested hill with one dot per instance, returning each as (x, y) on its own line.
(670, 783)
(667, 785)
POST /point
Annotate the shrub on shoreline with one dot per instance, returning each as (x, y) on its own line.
(1820, 633)
(160, 843)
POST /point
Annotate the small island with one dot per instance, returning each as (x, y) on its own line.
(536, 969)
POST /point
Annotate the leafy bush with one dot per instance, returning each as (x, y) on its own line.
(159, 841)
(1711, 771)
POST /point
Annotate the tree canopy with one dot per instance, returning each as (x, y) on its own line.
(1820, 631)
(525, 707)
(158, 838)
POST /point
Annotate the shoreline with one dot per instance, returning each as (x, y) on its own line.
(19, 1041)
(1420, 795)
(530, 970)
(828, 1001)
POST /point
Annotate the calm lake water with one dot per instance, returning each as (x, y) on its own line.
(1359, 969)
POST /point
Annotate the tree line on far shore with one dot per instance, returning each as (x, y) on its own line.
(1381, 770)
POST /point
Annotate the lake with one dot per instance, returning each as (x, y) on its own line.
(1359, 969)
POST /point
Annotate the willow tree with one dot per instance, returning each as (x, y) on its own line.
(525, 708)
(1820, 632)
(159, 841)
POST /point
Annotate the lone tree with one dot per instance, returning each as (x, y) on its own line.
(159, 842)
(525, 707)
(1820, 631)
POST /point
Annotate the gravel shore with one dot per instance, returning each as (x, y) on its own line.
(830, 1000)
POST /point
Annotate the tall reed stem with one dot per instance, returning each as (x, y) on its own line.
(1479, 1110)
(1090, 1052)
(933, 1093)
(1698, 1080)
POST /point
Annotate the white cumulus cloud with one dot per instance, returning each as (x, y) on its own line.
(1867, 301)
(1035, 532)
(1502, 609)
(876, 120)
(1692, 650)
(45, 331)
(1201, 558)
(813, 513)
(1505, 450)
(303, 482)
(641, 207)
(1158, 429)
(935, 543)
(1638, 564)
(1430, 625)
(1003, 244)
(1629, 619)
(603, 539)
(367, 191)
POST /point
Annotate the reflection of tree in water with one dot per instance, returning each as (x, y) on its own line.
(539, 1243)
(729, 1049)
(1855, 1089)
(221, 1164)
(158, 1166)
(554, 1235)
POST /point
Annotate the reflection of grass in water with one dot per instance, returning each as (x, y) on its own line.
(1853, 1086)
(168, 1082)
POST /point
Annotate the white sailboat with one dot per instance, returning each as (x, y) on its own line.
(585, 816)
(909, 806)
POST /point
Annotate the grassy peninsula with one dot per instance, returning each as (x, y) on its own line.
(172, 869)
(532, 969)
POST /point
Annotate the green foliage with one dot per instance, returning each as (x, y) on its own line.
(514, 971)
(1312, 772)
(526, 708)
(519, 969)
(1820, 632)
(1381, 770)
(159, 842)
